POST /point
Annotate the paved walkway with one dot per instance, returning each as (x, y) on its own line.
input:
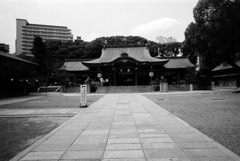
(126, 127)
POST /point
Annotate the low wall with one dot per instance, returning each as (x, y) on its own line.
(184, 87)
(50, 89)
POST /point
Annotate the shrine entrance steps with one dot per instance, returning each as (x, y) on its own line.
(125, 89)
(115, 89)
(130, 89)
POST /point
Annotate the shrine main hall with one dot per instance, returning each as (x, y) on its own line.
(128, 65)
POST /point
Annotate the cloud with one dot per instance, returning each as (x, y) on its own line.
(8, 31)
(92, 36)
(154, 27)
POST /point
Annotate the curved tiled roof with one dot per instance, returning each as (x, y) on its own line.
(74, 66)
(140, 54)
(174, 63)
(225, 66)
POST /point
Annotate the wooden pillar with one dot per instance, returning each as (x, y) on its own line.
(74, 80)
(114, 77)
(94, 77)
(178, 77)
(136, 78)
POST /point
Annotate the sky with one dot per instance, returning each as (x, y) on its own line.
(91, 19)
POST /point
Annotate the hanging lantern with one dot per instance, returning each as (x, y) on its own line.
(151, 74)
(99, 75)
(162, 77)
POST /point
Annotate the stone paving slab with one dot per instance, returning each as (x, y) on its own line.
(88, 147)
(51, 147)
(43, 155)
(126, 127)
(82, 155)
(124, 141)
(197, 145)
(128, 146)
(154, 146)
(124, 154)
(139, 159)
(165, 153)
(168, 159)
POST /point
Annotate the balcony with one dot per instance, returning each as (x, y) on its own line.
(27, 44)
(66, 31)
(27, 48)
(58, 39)
(45, 34)
(27, 41)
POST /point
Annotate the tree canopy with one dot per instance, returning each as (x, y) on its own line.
(166, 50)
(51, 55)
(215, 34)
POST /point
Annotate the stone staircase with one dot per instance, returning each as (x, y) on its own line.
(74, 89)
(178, 87)
(49, 89)
(124, 89)
(129, 89)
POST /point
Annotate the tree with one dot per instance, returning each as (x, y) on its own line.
(26, 57)
(166, 50)
(189, 45)
(171, 49)
(94, 48)
(216, 33)
(40, 57)
(47, 55)
(71, 50)
(235, 2)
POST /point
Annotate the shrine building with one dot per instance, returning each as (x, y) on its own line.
(128, 65)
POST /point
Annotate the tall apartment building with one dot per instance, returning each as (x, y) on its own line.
(164, 40)
(27, 31)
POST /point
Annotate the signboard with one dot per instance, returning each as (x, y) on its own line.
(83, 95)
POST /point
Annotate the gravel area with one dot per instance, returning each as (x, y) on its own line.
(19, 133)
(217, 114)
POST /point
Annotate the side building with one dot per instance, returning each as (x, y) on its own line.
(26, 32)
(225, 75)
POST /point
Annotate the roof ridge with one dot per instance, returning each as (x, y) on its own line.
(125, 46)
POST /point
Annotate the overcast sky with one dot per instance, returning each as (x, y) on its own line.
(95, 18)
